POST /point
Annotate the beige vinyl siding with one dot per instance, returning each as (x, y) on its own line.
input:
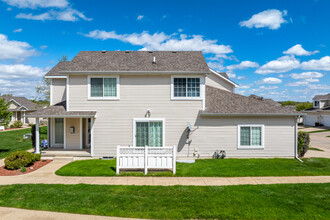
(12, 105)
(114, 122)
(58, 90)
(216, 82)
(222, 133)
(72, 140)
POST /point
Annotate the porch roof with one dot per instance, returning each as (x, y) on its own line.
(59, 110)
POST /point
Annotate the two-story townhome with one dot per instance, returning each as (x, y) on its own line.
(102, 99)
(320, 113)
(20, 106)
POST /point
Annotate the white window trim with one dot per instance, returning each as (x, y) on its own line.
(262, 146)
(147, 120)
(104, 98)
(202, 89)
(317, 106)
(53, 133)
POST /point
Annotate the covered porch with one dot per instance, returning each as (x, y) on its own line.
(67, 130)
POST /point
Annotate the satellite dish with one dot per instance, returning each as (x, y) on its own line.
(189, 127)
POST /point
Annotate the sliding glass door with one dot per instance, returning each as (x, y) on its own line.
(149, 133)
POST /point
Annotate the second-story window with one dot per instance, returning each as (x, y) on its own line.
(186, 87)
(104, 87)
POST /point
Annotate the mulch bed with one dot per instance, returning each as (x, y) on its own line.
(33, 167)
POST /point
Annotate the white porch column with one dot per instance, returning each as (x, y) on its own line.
(81, 133)
(15, 116)
(92, 137)
(48, 131)
(24, 118)
(37, 137)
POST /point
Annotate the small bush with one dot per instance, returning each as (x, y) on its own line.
(11, 126)
(23, 169)
(17, 124)
(37, 157)
(303, 143)
(20, 159)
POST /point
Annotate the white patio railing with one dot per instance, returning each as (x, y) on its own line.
(146, 158)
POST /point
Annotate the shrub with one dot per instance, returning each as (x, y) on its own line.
(23, 169)
(20, 159)
(303, 143)
(37, 157)
(11, 126)
(18, 124)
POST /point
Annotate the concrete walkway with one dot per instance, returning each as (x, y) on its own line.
(46, 175)
(14, 214)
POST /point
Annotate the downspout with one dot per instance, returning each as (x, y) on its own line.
(296, 140)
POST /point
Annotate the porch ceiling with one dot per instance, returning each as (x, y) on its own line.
(59, 110)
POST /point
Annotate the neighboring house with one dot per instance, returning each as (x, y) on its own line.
(20, 106)
(320, 113)
(102, 99)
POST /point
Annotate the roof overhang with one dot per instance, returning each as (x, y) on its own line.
(60, 116)
(224, 78)
(248, 114)
(132, 72)
(55, 77)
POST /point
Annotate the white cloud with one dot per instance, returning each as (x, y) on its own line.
(321, 64)
(15, 50)
(241, 77)
(243, 65)
(271, 18)
(18, 30)
(140, 17)
(180, 30)
(280, 65)
(37, 3)
(20, 71)
(161, 41)
(312, 80)
(65, 15)
(298, 50)
(216, 66)
(298, 83)
(306, 75)
(43, 47)
(269, 80)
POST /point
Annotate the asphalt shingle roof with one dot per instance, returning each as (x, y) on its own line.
(31, 106)
(59, 109)
(135, 61)
(223, 102)
(322, 97)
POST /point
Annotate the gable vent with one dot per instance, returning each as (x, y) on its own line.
(154, 60)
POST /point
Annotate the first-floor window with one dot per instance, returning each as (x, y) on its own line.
(103, 87)
(317, 103)
(149, 133)
(251, 136)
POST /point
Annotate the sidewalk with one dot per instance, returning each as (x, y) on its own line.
(14, 213)
(46, 175)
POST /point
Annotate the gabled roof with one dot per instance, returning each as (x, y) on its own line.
(22, 102)
(133, 61)
(322, 97)
(59, 110)
(224, 76)
(221, 102)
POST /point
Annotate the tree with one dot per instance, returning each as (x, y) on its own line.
(303, 106)
(288, 103)
(63, 58)
(43, 90)
(5, 114)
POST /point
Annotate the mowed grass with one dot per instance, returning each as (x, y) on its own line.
(12, 140)
(283, 201)
(318, 131)
(209, 168)
(315, 149)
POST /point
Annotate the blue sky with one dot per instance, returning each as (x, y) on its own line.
(275, 49)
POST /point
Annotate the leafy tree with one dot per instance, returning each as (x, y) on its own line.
(5, 114)
(43, 90)
(303, 106)
(288, 103)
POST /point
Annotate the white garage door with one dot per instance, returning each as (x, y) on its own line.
(310, 120)
(326, 120)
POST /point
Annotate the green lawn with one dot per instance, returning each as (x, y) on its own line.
(315, 149)
(11, 141)
(310, 132)
(210, 167)
(283, 201)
